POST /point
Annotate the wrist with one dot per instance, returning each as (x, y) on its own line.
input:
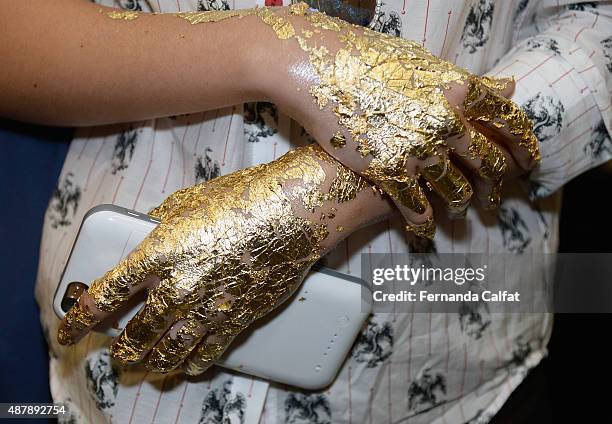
(271, 60)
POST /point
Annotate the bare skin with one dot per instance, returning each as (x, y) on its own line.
(83, 68)
(186, 327)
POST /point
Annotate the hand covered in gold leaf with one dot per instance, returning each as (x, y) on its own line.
(226, 252)
(383, 106)
(393, 112)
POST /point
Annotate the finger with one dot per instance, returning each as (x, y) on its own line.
(456, 92)
(412, 203)
(450, 184)
(504, 86)
(222, 329)
(206, 354)
(493, 166)
(84, 314)
(78, 320)
(176, 345)
(112, 291)
(150, 323)
(486, 162)
(496, 115)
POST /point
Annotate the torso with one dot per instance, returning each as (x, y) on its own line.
(425, 366)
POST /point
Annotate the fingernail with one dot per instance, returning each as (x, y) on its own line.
(78, 320)
(124, 351)
(426, 230)
(193, 369)
(72, 294)
(63, 337)
(505, 81)
(498, 83)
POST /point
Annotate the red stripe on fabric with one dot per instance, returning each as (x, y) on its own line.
(389, 401)
(93, 198)
(144, 179)
(93, 164)
(137, 396)
(195, 147)
(447, 360)
(178, 413)
(504, 68)
(350, 400)
(117, 189)
(170, 164)
(370, 401)
(581, 115)
(450, 12)
(587, 69)
(251, 388)
(560, 78)
(536, 67)
(161, 392)
(465, 355)
(85, 142)
(229, 130)
(184, 150)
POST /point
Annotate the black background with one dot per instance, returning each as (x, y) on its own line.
(573, 382)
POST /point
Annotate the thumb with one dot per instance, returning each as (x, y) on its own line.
(109, 293)
(412, 203)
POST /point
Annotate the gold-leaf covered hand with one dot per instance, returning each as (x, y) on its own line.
(225, 253)
(387, 108)
(408, 114)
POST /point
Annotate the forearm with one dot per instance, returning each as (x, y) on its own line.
(69, 63)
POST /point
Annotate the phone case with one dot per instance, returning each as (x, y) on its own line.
(302, 343)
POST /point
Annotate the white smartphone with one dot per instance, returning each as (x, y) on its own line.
(302, 343)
